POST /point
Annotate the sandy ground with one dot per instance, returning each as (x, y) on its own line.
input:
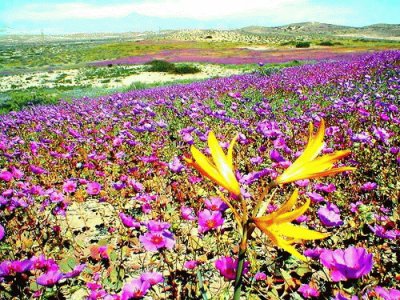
(72, 78)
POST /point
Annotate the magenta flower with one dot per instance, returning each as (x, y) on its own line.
(369, 186)
(11, 267)
(330, 215)
(387, 294)
(50, 278)
(152, 277)
(128, 221)
(152, 241)
(215, 204)
(6, 176)
(351, 263)
(76, 271)
(209, 220)
(308, 291)
(227, 267)
(260, 276)
(69, 186)
(2, 232)
(135, 289)
(93, 188)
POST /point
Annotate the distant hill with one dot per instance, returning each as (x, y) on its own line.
(316, 28)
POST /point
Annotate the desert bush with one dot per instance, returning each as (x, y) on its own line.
(185, 69)
(303, 45)
(160, 66)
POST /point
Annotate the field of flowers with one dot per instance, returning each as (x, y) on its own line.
(283, 186)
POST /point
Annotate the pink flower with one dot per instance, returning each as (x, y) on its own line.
(152, 277)
(50, 278)
(351, 263)
(187, 213)
(227, 266)
(2, 232)
(209, 220)
(136, 289)
(191, 264)
(69, 186)
(308, 291)
(93, 188)
(128, 221)
(152, 241)
(215, 203)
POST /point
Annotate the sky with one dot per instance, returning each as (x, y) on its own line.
(67, 16)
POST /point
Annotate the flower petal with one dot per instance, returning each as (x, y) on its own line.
(298, 232)
(289, 204)
(290, 216)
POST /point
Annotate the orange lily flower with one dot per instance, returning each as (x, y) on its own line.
(308, 166)
(278, 227)
(221, 169)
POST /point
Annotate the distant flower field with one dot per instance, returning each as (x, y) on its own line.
(278, 186)
(234, 56)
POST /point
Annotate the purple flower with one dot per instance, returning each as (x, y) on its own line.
(135, 289)
(315, 197)
(37, 170)
(49, 278)
(209, 220)
(351, 263)
(276, 156)
(152, 277)
(308, 291)
(152, 241)
(313, 253)
(93, 188)
(2, 232)
(76, 271)
(227, 267)
(6, 176)
(330, 215)
(11, 267)
(260, 276)
(387, 294)
(384, 233)
(128, 221)
(215, 203)
(176, 165)
(368, 186)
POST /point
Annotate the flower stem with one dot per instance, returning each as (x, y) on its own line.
(240, 265)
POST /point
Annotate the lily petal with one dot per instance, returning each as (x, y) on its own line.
(298, 232)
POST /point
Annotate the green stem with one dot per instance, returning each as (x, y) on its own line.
(241, 260)
(201, 286)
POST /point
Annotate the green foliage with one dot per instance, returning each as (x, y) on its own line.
(186, 69)
(160, 66)
(165, 66)
(303, 45)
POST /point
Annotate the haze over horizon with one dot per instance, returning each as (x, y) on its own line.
(64, 16)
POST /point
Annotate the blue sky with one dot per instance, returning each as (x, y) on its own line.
(67, 16)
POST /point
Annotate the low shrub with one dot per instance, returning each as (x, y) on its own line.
(303, 45)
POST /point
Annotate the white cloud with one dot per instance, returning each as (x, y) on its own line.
(274, 11)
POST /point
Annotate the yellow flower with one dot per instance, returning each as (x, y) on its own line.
(221, 169)
(308, 166)
(278, 227)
